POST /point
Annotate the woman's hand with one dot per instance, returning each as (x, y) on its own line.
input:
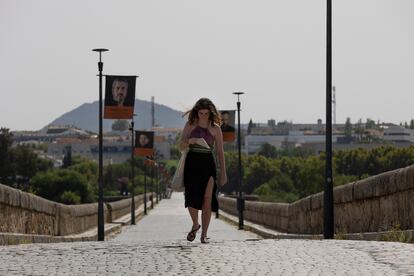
(223, 180)
(184, 146)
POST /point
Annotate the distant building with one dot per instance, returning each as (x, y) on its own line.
(398, 134)
(116, 144)
(169, 134)
(50, 133)
(113, 151)
(284, 127)
(292, 139)
(312, 136)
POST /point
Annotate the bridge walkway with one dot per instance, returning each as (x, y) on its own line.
(157, 246)
(170, 221)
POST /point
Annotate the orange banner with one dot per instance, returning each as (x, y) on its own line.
(119, 97)
(229, 136)
(143, 152)
(118, 112)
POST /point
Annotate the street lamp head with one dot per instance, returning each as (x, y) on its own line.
(238, 93)
(100, 50)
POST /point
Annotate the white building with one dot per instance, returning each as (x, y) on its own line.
(293, 139)
(169, 134)
(114, 151)
(396, 133)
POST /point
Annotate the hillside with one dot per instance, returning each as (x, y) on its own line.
(86, 117)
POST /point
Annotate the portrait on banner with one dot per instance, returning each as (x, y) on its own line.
(119, 97)
(144, 143)
(228, 125)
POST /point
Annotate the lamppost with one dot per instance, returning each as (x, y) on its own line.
(240, 199)
(145, 186)
(101, 219)
(132, 172)
(157, 182)
(152, 183)
(328, 210)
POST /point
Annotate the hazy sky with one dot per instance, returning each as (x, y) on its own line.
(186, 49)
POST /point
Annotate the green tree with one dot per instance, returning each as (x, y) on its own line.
(175, 152)
(86, 167)
(259, 170)
(67, 159)
(370, 124)
(250, 126)
(69, 197)
(267, 150)
(348, 128)
(311, 176)
(6, 140)
(359, 130)
(232, 170)
(26, 163)
(53, 184)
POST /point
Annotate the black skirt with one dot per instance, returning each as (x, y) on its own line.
(199, 167)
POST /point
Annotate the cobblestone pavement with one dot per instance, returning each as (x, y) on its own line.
(262, 257)
(162, 250)
(170, 221)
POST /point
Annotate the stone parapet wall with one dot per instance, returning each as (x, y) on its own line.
(78, 218)
(26, 213)
(378, 203)
(122, 207)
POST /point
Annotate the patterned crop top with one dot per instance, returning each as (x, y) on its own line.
(201, 132)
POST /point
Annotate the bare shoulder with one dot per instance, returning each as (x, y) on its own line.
(188, 125)
(192, 125)
(215, 129)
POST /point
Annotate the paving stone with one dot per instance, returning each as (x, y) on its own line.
(157, 246)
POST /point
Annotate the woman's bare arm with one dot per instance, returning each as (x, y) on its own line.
(184, 137)
(185, 141)
(220, 155)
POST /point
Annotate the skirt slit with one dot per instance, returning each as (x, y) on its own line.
(199, 167)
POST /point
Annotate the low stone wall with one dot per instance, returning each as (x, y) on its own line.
(273, 215)
(120, 208)
(378, 203)
(26, 213)
(78, 218)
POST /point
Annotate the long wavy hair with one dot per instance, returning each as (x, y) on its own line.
(204, 103)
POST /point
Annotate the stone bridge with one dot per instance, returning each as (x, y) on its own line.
(377, 208)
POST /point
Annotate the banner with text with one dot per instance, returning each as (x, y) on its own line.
(228, 125)
(119, 97)
(144, 143)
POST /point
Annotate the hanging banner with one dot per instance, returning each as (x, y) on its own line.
(119, 97)
(228, 125)
(144, 143)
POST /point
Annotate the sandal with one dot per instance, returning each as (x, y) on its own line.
(192, 234)
(204, 239)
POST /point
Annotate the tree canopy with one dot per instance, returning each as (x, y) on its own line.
(288, 178)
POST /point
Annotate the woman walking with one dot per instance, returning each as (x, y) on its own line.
(201, 130)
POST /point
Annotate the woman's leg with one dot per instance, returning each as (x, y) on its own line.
(206, 208)
(194, 216)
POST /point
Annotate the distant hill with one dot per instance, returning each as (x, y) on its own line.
(86, 117)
